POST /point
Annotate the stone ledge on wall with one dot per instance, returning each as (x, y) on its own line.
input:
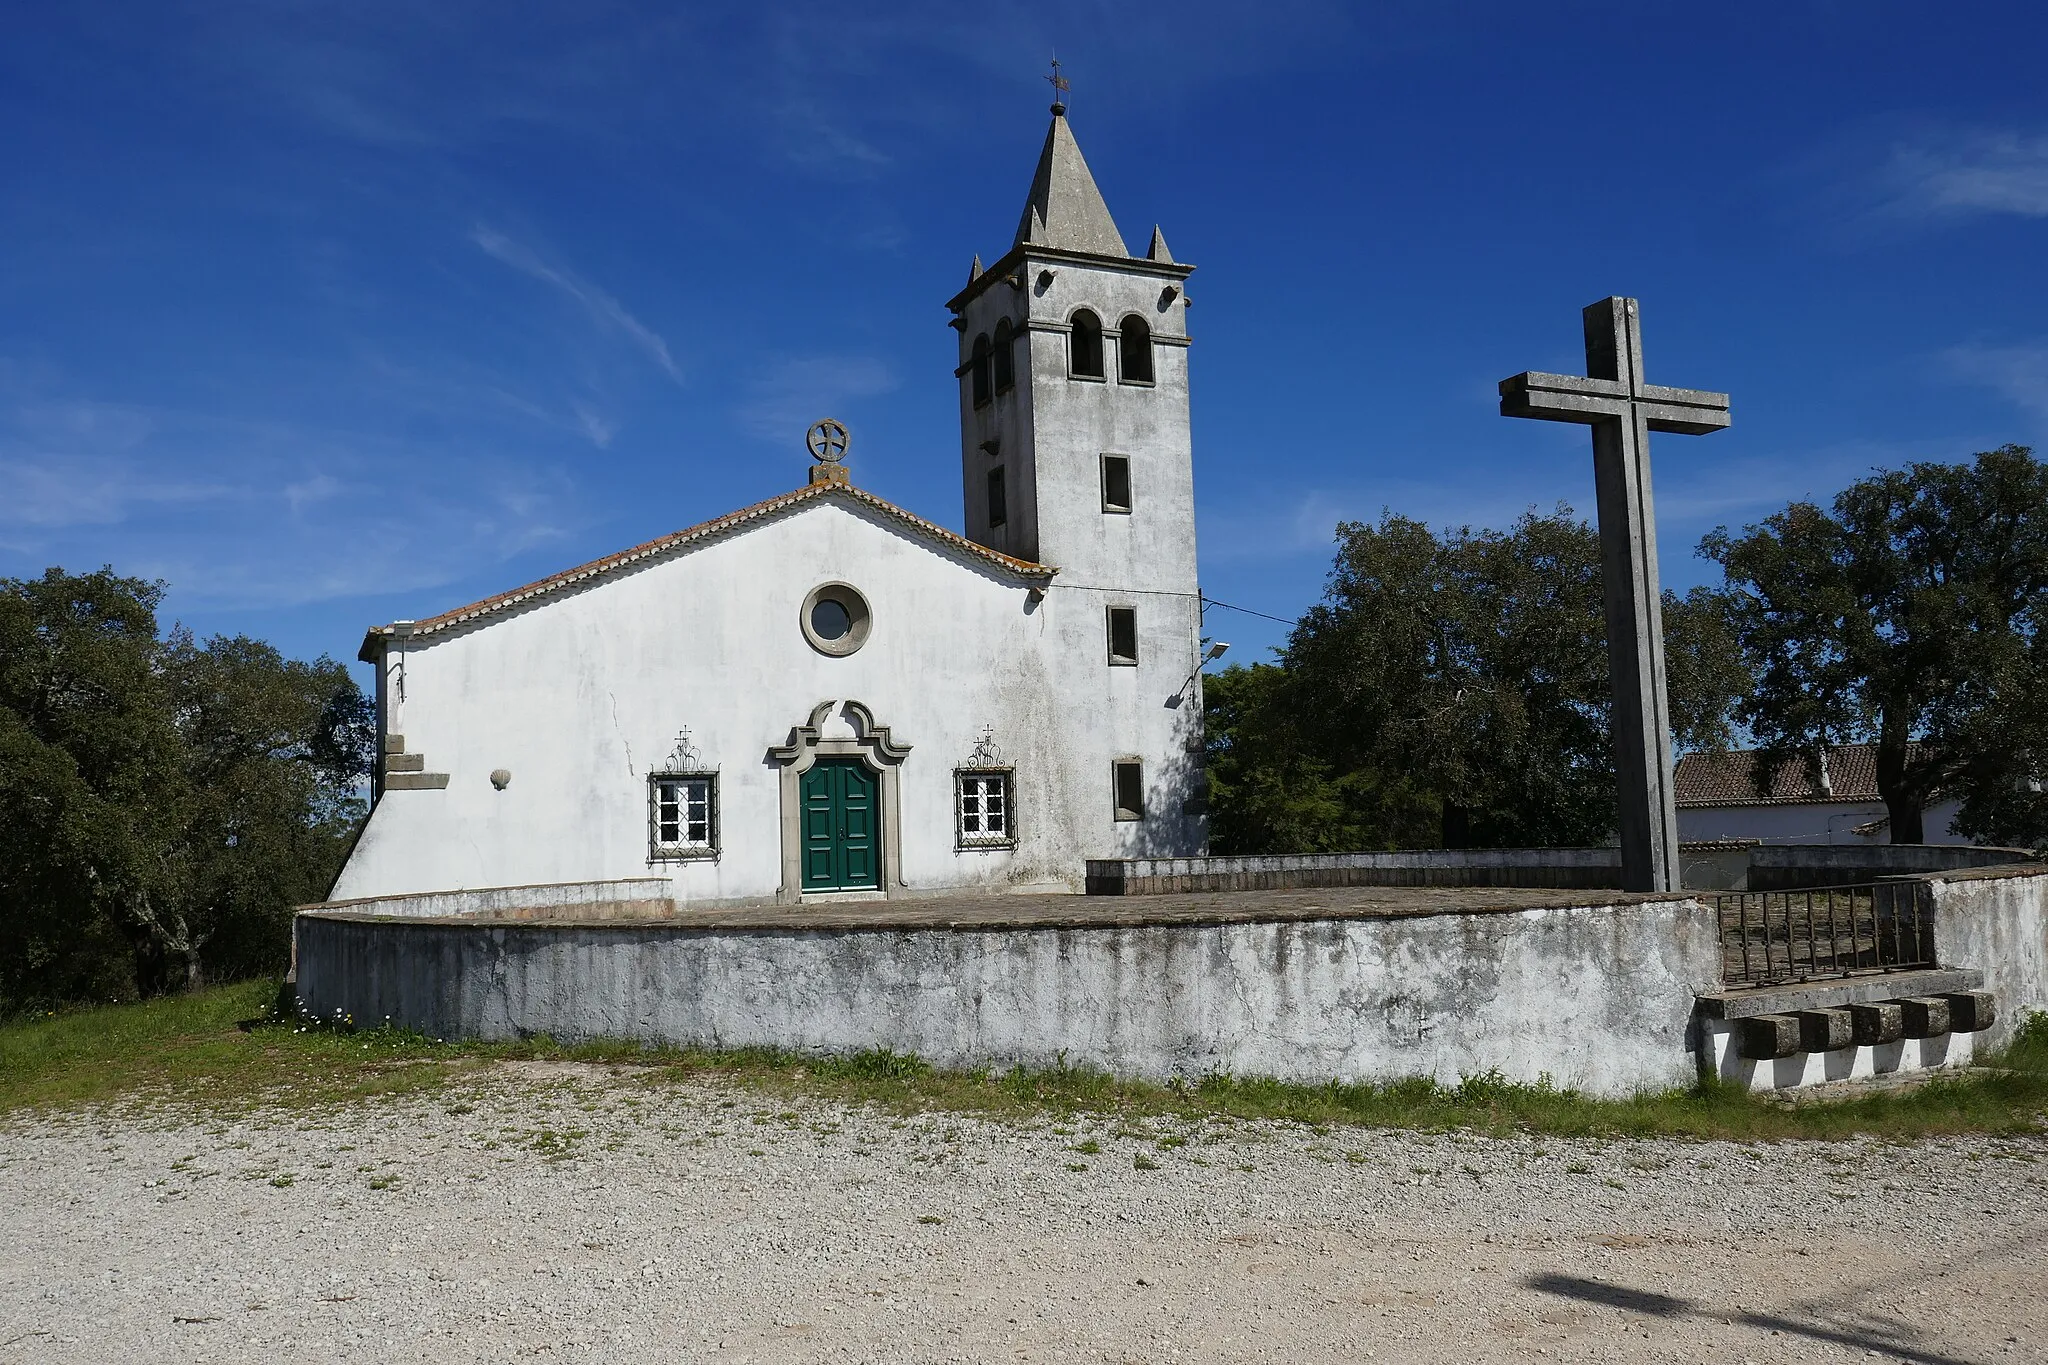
(1720, 865)
(404, 772)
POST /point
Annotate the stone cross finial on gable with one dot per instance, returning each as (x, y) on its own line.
(828, 440)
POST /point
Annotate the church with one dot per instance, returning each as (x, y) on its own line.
(824, 696)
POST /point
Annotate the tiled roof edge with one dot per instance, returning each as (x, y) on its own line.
(705, 530)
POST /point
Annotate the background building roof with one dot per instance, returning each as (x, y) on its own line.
(1728, 779)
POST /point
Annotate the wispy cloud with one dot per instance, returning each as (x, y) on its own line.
(793, 393)
(1692, 496)
(259, 514)
(1305, 523)
(44, 492)
(607, 312)
(1972, 173)
(818, 141)
(2020, 373)
(595, 425)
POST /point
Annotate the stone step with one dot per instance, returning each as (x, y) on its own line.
(415, 782)
(1766, 1037)
(405, 763)
(394, 744)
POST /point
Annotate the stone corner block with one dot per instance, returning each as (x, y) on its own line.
(394, 744)
(415, 782)
(1884, 1022)
(1768, 1036)
(1971, 1011)
(405, 763)
(1825, 1030)
(1926, 1016)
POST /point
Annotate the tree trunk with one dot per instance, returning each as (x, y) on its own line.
(1902, 800)
(1457, 825)
(194, 977)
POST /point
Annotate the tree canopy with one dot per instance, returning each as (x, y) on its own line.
(1447, 691)
(1908, 615)
(163, 802)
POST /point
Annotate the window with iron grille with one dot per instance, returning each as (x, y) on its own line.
(682, 816)
(984, 814)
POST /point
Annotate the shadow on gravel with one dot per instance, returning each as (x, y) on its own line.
(1652, 1304)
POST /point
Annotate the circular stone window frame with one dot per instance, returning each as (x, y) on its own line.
(856, 605)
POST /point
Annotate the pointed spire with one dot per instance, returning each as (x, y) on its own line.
(1065, 209)
(1157, 251)
(974, 271)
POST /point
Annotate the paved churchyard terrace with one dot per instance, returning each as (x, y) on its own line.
(1084, 912)
(560, 1212)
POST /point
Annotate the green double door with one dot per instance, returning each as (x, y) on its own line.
(842, 826)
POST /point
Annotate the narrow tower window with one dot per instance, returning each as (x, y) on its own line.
(1116, 483)
(1084, 346)
(1005, 357)
(1123, 635)
(1130, 789)
(998, 504)
(1134, 351)
(977, 364)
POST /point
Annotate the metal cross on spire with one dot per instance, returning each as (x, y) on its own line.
(1059, 88)
(1623, 411)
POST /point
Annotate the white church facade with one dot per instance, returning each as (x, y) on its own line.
(824, 696)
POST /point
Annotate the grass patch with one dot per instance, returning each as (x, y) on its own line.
(192, 1050)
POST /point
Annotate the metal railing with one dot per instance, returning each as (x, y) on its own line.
(1771, 938)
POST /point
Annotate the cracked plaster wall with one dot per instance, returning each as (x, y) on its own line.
(578, 694)
(1596, 997)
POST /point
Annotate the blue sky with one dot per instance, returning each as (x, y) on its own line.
(330, 315)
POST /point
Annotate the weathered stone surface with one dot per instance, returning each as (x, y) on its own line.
(594, 910)
(1882, 1022)
(1825, 1030)
(1793, 997)
(1596, 996)
(1623, 410)
(415, 782)
(405, 763)
(1971, 1011)
(1520, 867)
(1925, 1016)
(1996, 919)
(1765, 1036)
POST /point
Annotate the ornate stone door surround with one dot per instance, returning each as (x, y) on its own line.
(872, 745)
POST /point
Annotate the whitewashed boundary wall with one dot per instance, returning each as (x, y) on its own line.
(1996, 921)
(1596, 997)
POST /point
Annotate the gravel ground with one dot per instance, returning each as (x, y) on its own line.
(578, 1214)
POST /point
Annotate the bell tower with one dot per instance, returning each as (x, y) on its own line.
(1075, 453)
(1074, 436)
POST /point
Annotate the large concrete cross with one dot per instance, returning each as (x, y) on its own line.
(1623, 411)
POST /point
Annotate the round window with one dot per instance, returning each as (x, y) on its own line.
(835, 619)
(830, 618)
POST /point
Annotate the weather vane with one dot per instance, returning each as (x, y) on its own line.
(1060, 88)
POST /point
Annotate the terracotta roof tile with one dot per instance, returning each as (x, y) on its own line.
(1727, 779)
(707, 530)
